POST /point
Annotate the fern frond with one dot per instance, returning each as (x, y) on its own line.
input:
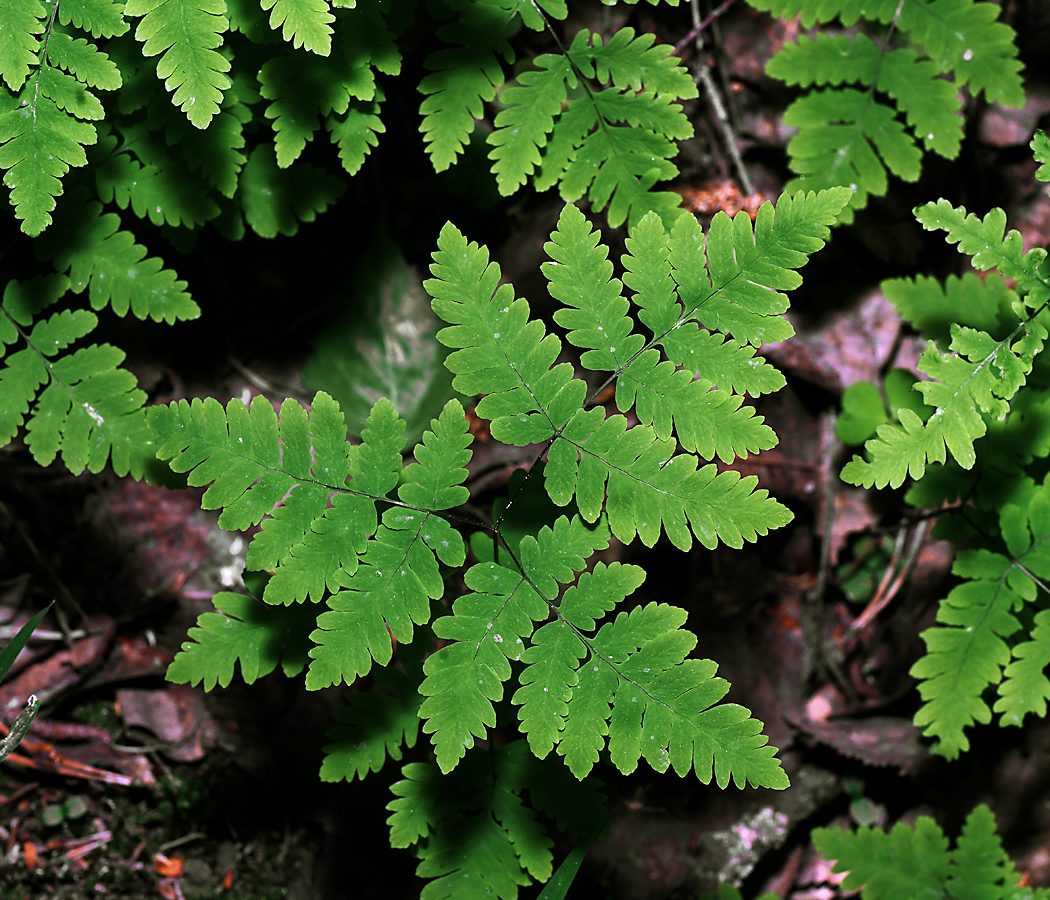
(980, 376)
(276, 200)
(84, 61)
(612, 165)
(301, 89)
(356, 132)
(532, 402)
(216, 151)
(984, 241)
(246, 631)
(906, 862)
(931, 103)
(639, 661)
(847, 136)
(398, 574)
(476, 836)
(487, 629)
(97, 255)
(20, 21)
(462, 79)
(304, 89)
(839, 132)
(303, 23)
(706, 421)
(915, 861)
(185, 34)
(965, 37)
(931, 307)
(84, 405)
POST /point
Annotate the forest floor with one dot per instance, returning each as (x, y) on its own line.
(130, 787)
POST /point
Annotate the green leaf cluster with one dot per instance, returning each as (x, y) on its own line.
(874, 107)
(980, 453)
(918, 862)
(361, 549)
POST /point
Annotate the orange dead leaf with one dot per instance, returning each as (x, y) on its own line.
(169, 868)
(29, 854)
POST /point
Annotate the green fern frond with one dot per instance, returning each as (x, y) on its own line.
(97, 255)
(38, 145)
(588, 153)
(488, 628)
(83, 405)
(978, 378)
(529, 109)
(255, 461)
(533, 402)
(246, 631)
(185, 34)
(1025, 687)
(305, 88)
(968, 651)
(156, 185)
(216, 152)
(357, 131)
(303, 23)
(916, 861)
(931, 307)
(847, 136)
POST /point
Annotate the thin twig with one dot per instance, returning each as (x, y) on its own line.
(704, 79)
(722, 7)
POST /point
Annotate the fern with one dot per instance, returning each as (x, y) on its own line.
(916, 861)
(850, 128)
(186, 33)
(588, 152)
(78, 404)
(362, 546)
(976, 450)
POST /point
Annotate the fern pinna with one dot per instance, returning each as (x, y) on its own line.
(850, 128)
(979, 454)
(360, 549)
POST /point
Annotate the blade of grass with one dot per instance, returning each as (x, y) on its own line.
(11, 651)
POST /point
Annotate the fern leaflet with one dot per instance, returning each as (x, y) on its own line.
(303, 23)
(185, 33)
(246, 631)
